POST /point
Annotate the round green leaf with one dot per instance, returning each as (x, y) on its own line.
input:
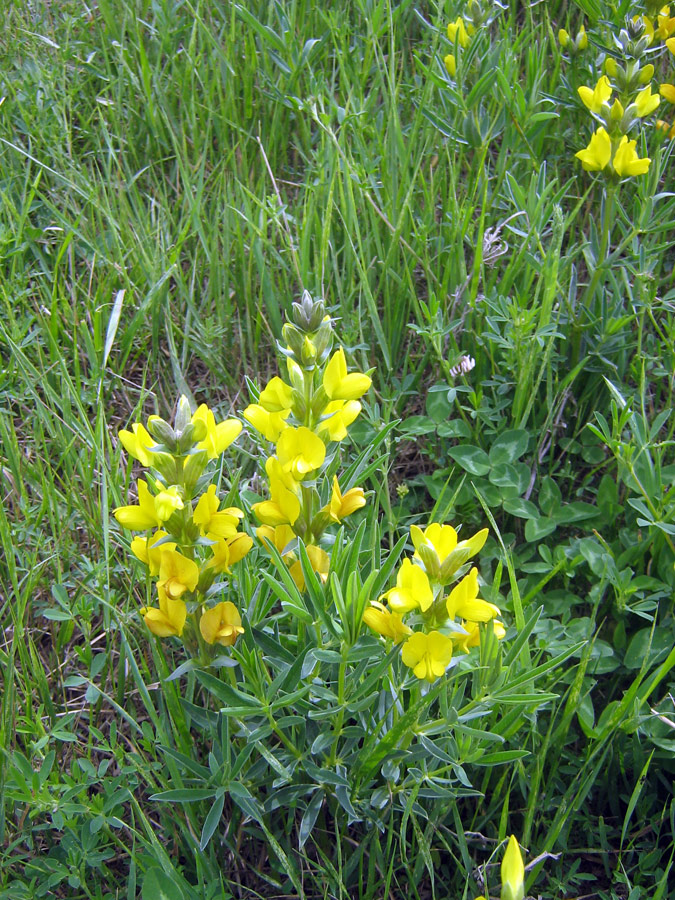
(509, 446)
(536, 529)
(474, 460)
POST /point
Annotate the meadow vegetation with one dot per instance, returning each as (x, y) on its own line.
(337, 470)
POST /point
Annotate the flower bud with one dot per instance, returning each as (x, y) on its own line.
(646, 74)
(183, 414)
(563, 38)
(453, 561)
(513, 872)
(187, 438)
(432, 564)
(194, 468)
(610, 66)
(308, 354)
(293, 338)
(308, 313)
(162, 432)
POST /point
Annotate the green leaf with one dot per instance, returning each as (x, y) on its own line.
(509, 446)
(309, 818)
(212, 821)
(536, 529)
(157, 885)
(639, 647)
(473, 459)
(184, 795)
(549, 497)
(524, 509)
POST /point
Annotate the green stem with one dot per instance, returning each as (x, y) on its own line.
(341, 710)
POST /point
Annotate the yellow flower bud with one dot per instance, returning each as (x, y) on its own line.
(513, 872)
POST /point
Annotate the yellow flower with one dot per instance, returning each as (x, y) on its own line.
(563, 37)
(141, 517)
(177, 574)
(283, 507)
(412, 590)
(385, 622)
(169, 619)
(343, 505)
(218, 437)
(341, 386)
(610, 66)
(440, 552)
(457, 31)
(465, 602)
(450, 64)
(221, 624)
(320, 562)
(337, 416)
(167, 501)
(269, 424)
(594, 99)
(219, 525)
(582, 39)
(276, 396)
(229, 551)
(513, 872)
(598, 153)
(428, 655)
(280, 537)
(664, 126)
(300, 451)
(667, 91)
(646, 102)
(670, 44)
(148, 552)
(137, 443)
(471, 637)
(626, 161)
(666, 24)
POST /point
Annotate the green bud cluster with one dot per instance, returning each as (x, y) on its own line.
(309, 337)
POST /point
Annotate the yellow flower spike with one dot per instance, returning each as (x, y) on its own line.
(667, 91)
(167, 620)
(457, 31)
(341, 386)
(471, 637)
(300, 451)
(428, 655)
(513, 872)
(221, 624)
(141, 517)
(646, 102)
(597, 155)
(343, 505)
(269, 424)
(137, 443)
(177, 574)
(283, 507)
(595, 99)
(412, 590)
(167, 502)
(626, 161)
(337, 416)
(218, 436)
(320, 562)
(276, 396)
(465, 602)
(385, 622)
(450, 64)
(221, 524)
(146, 550)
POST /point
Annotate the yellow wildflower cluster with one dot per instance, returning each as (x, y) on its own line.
(622, 99)
(303, 418)
(445, 621)
(189, 539)
(477, 14)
